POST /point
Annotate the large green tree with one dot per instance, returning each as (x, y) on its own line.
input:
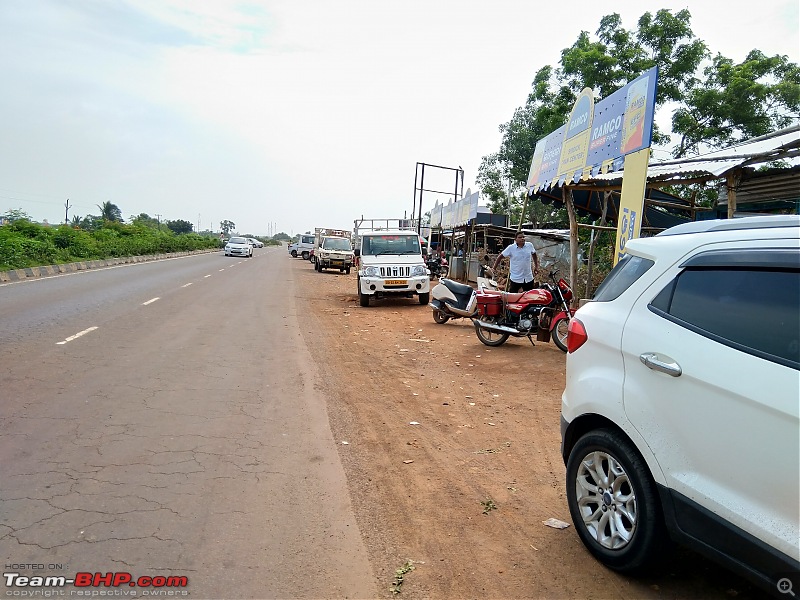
(180, 226)
(717, 101)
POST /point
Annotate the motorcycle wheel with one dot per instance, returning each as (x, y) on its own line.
(440, 318)
(559, 336)
(490, 338)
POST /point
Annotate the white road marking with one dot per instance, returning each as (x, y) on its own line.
(221, 270)
(207, 276)
(187, 285)
(76, 336)
(150, 301)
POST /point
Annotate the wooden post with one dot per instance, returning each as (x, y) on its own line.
(566, 197)
(732, 181)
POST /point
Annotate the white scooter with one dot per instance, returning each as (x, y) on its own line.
(453, 300)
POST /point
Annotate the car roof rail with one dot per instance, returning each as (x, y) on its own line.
(757, 222)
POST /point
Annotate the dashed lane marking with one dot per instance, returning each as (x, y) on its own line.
(76, 336)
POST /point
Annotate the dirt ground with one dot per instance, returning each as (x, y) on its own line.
(452, 453)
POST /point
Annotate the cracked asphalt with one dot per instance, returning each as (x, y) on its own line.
(183, 437)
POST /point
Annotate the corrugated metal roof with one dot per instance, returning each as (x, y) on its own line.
(781, 144)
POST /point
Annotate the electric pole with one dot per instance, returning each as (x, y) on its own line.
(66, 212)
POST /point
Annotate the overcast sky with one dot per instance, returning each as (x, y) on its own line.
(287, 115)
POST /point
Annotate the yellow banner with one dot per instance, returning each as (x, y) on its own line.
(631, 204)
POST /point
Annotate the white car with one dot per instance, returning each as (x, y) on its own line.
(239, 246)
(256, 243)
(680, 414)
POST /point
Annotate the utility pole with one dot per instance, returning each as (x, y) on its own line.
(66, 212)
(159, 221)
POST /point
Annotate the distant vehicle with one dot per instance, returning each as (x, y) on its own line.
(680, 414)
(256, 243)
(239, 246)
(333, 250)
(303, 246)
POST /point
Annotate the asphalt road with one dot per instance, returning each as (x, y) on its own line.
(165, 419)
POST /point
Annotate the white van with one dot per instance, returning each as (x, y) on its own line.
(303, 246)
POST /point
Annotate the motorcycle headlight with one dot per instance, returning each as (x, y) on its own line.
(371, 272)
(418, 271)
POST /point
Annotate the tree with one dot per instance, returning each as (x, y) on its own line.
(280, 237)
(110, 211)
(718, 105)
(227, 226)
(180, 226)
(736, 102)
(145, 220)
(14, 214)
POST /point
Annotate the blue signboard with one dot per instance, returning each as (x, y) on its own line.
(620, 124)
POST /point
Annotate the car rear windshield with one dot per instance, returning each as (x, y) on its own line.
(622, 276)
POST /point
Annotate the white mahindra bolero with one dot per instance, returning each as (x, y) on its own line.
(391, 264)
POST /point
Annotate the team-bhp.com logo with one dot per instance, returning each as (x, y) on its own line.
(112, 579)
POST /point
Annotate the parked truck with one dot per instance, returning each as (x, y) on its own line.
(390, 264)
(333, 249)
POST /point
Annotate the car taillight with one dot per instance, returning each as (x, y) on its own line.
(576, 335)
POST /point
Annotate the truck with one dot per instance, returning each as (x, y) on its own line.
(391, 264)
(333, 249)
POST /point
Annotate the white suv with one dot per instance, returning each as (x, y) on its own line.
(391, 264)
(680, 414)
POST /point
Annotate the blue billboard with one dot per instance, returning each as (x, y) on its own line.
(620, 124)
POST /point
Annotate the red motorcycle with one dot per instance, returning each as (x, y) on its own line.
(543, 311)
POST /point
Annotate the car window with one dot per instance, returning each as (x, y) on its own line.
(627, 270)
(753, 310)
(238, 240)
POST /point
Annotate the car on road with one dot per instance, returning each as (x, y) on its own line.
(239, 246)
(679, 419)
(256, 243)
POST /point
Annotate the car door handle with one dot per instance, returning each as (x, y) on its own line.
(651, 361)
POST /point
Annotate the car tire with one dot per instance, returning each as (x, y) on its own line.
(347, 271)
(294, 253)
(614, 503)
(425, 298)
(363, 299)
(559, 334)
(305, 255)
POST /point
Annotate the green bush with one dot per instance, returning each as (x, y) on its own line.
(25, 244)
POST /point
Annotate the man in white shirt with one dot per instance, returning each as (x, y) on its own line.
(520, 273)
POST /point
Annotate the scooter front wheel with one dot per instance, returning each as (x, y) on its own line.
(439, 317)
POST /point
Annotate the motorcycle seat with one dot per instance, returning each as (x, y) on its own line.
(507, 296)
(459, 289)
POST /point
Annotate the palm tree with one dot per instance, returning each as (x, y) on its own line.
(110, 211)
